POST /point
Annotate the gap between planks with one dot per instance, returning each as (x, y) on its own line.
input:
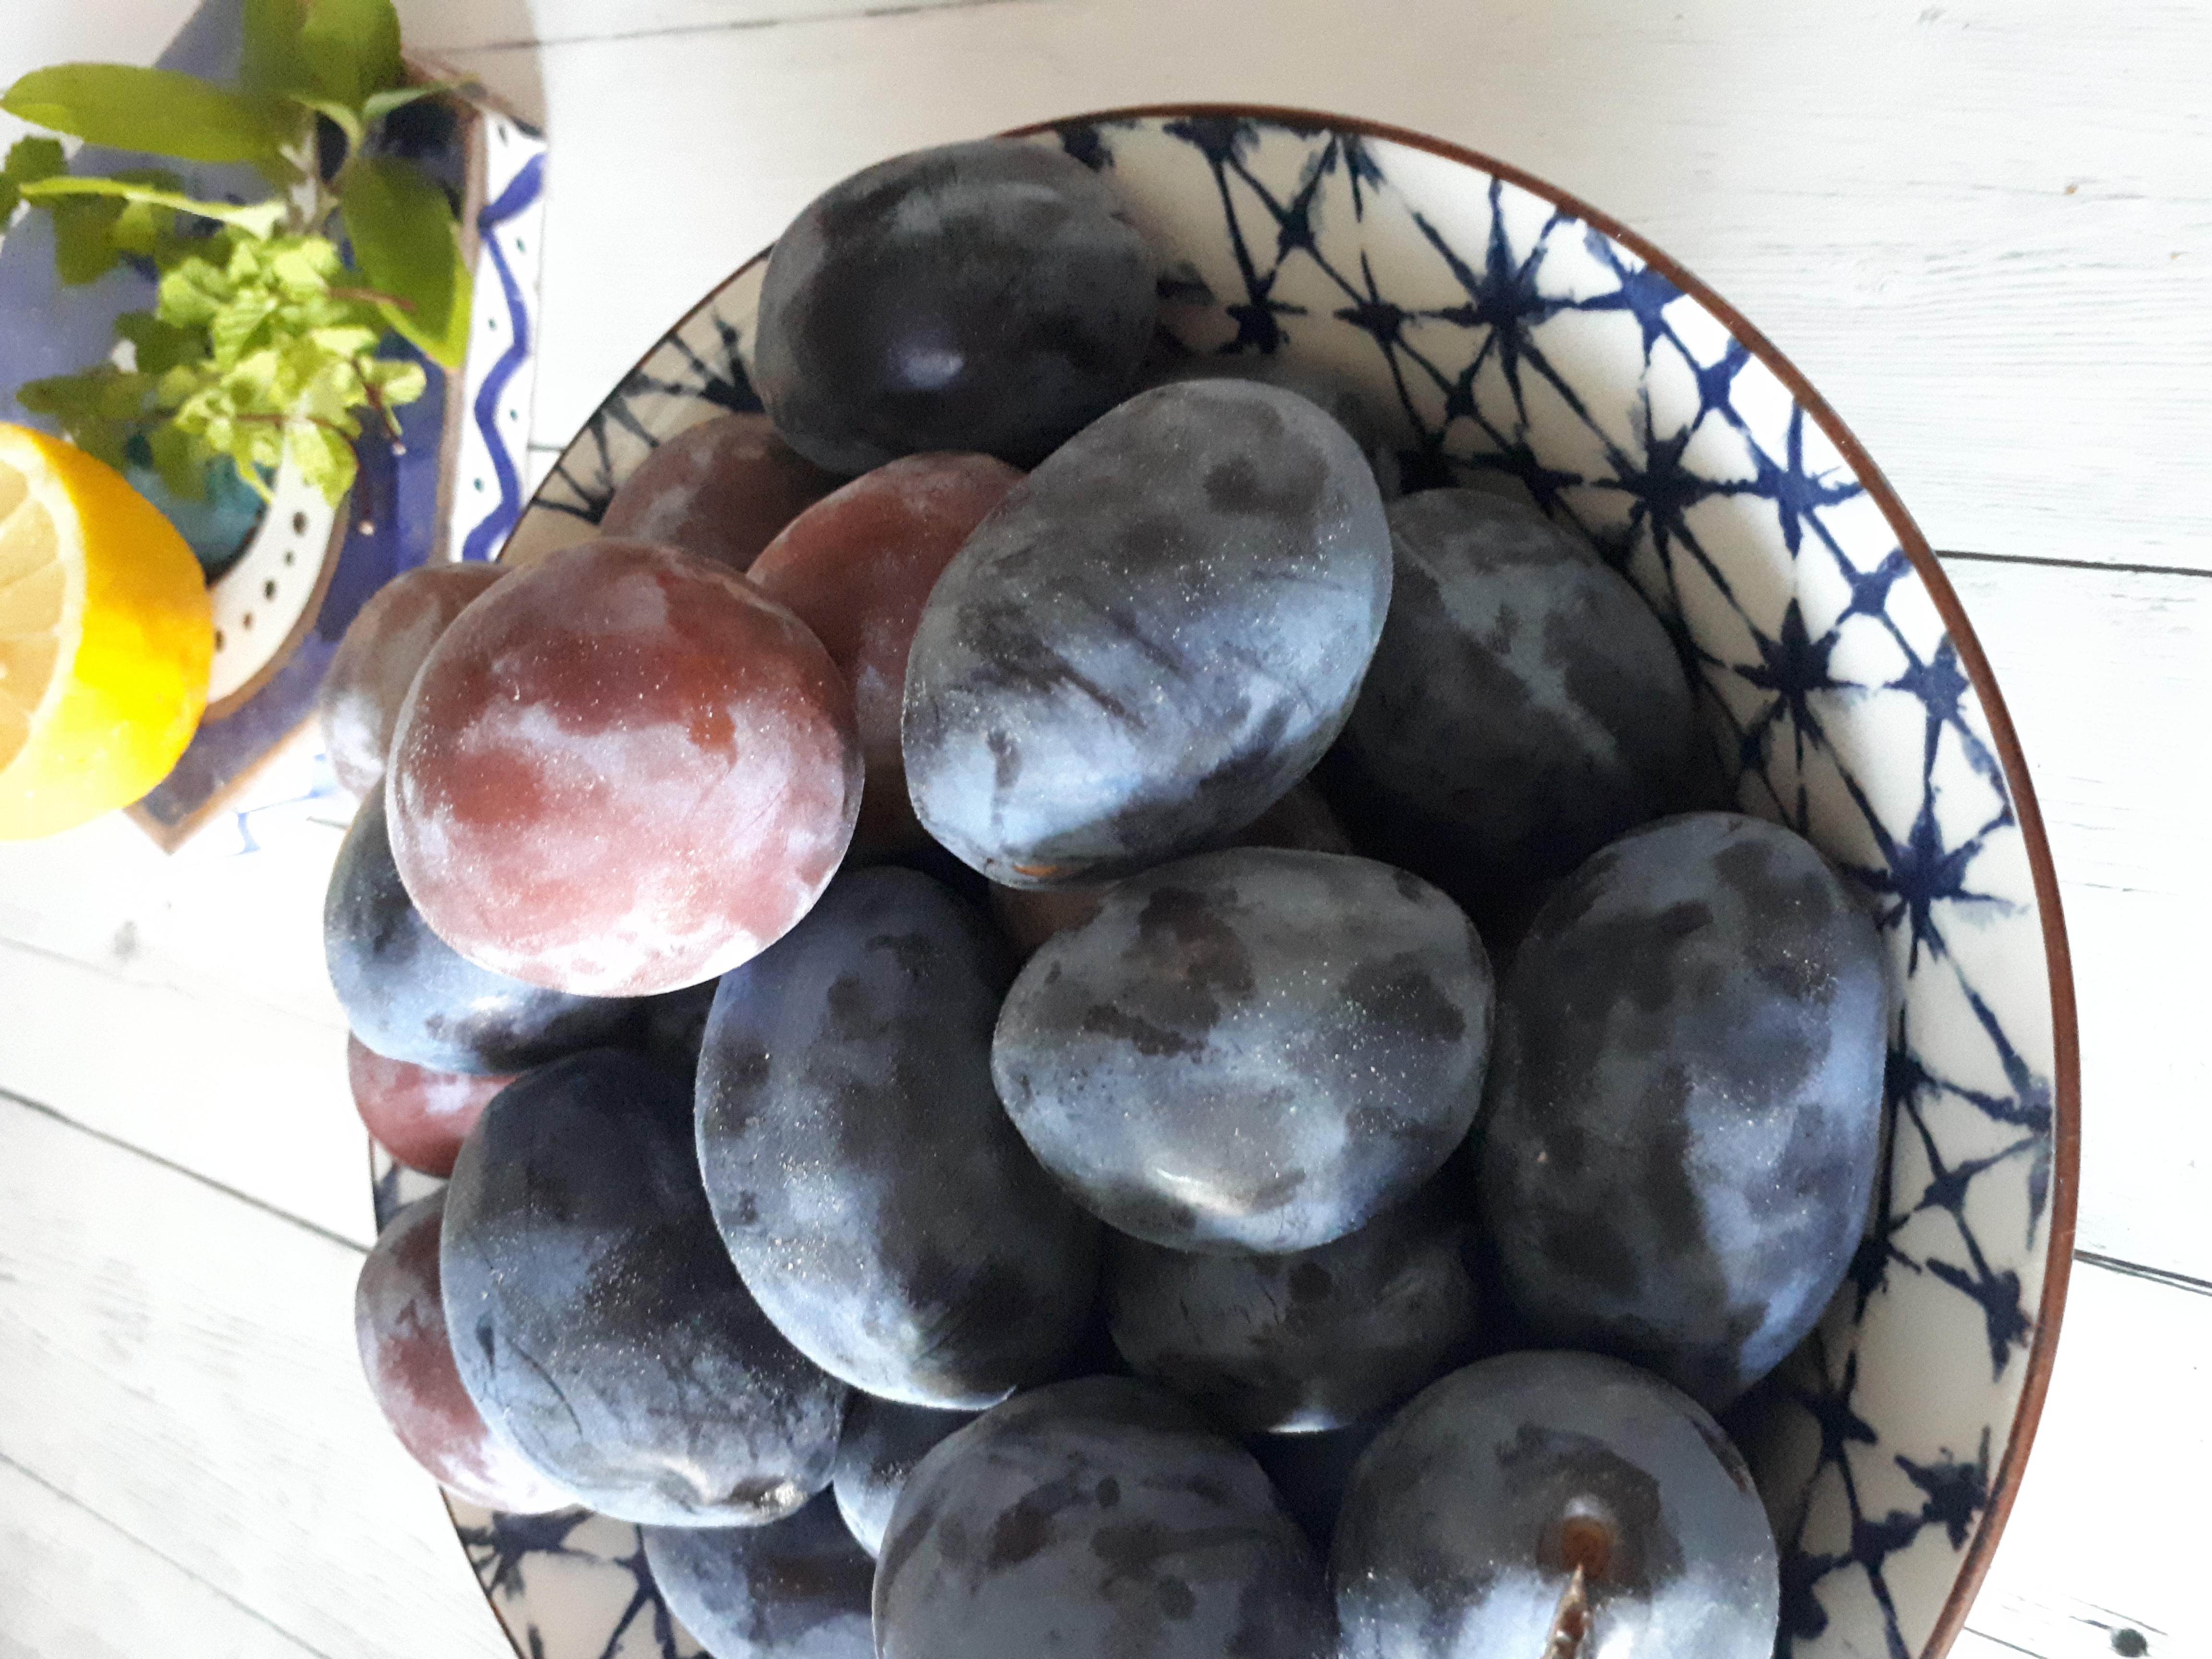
(45, 1532)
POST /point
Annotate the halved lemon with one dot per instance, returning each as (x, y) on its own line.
(106, 636)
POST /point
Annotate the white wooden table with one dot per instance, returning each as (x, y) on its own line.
(1984, 230)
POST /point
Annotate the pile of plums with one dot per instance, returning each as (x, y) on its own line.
(957, 1004)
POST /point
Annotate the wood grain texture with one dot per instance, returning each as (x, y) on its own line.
(71, 1583)
(2109, 679)
(441, 27)
(2098, 1541)
(1982, 230)
(247, 1096)
(182, 1366)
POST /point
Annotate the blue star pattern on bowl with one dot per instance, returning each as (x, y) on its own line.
(1508, 343)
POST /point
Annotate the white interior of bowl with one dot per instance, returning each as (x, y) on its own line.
(1516, 347)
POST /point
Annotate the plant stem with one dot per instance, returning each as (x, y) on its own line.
(372, 297)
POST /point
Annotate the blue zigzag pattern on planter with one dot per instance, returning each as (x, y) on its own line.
(1489, 387)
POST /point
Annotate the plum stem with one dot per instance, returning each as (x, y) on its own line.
(1570, 1622)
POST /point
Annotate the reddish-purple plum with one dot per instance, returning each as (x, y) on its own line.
(721, 489)
(1155, 637)
(795, 1588)
(597, 1321)
(1684, 1113)
(857, 567)
(868, 1186)
(419, 1116)
(988, 296)
(1554, 1504)
(376, 661)
(1251, 1050)
(409, 996)
(1096, 1519)
(623, 773)
(399, 1322)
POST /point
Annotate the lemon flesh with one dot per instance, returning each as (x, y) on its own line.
(106, 633)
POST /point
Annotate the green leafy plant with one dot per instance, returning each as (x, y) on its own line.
(264, 342)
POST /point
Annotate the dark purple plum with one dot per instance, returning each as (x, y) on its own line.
(795, 1588)
(673, 1026)
(989, 296)
(1028, 916)
(868, 1186)
(1307, 1340)
(409, 996)
(1544, 1503)
(1524, 707)
(1250, 1050)
(1096, 1519)
(596, 1318)
(1684, 1113)
(882, 1443)
(1311, 1471)
(1332, 396)
(1156, 634)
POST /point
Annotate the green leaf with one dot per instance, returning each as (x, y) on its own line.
(100, 409)
(193, 294)
(182, 458)
(150, 109)
(30, 159)
(350, 48)
(376, 107)
(269, 62)
(160, 347)
(406, 244)
(11, 197)
(346, 120)
(256, 218)
(84, 239)
(325, 458)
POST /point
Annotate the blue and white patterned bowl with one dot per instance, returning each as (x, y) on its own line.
(1522, 341)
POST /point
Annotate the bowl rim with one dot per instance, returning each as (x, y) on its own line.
(2066, 1122)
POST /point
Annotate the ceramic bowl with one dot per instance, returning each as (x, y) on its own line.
(1519, 340)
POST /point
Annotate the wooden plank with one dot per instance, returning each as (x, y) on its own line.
(246, 1097)
(182, 1365)
(2098, 1542)
(442, 26)
(1980, 229)
(72, 1584)
(2108, 676)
